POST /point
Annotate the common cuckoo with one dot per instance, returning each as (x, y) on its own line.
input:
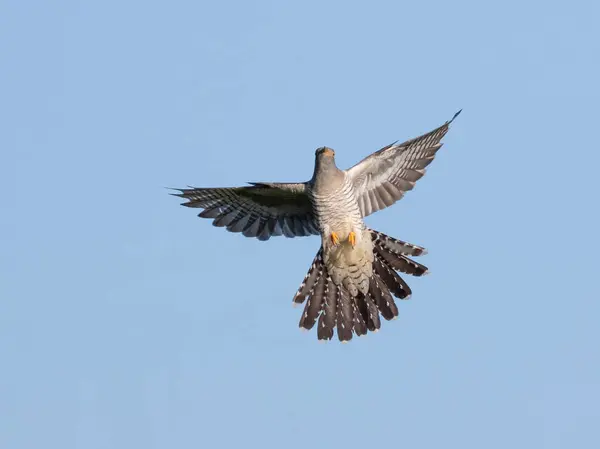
(354, 276)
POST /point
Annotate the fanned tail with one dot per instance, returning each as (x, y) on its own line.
(332, 307)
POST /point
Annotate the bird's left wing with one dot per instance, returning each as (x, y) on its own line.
(382, 178)
(260, 210)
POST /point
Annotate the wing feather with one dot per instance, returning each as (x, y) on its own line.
(382, 178)
(261, 210)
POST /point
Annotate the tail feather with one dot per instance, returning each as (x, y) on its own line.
(383, 299)
(363, 309)
(411, 267)
(327, 317)
(376, 294)
(315, 301)
(398, 246)
(344, 315)
(373, 321)
(360, 326)
(398, 261)
(310, 279)
(390, 278)
(403, 264)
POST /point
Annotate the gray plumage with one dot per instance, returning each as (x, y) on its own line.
(354, 276)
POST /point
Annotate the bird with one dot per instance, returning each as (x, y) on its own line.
(354, 277)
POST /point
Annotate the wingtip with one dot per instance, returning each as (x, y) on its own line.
(179, 193)
(258, 184)
(180, 190)
(455, 115)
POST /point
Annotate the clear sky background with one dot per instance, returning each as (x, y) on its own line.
(127, 322)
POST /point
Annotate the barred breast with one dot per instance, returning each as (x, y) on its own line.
(337, 210)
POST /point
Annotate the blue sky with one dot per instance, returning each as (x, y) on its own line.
(125, 321)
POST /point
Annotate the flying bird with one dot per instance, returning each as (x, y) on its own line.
(354, 276)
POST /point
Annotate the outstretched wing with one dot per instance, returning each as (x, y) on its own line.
(382, 178)
(260, 210)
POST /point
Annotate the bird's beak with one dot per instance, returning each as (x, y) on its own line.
(328, 152)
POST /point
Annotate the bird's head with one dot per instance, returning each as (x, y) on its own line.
(325, 163)
(325, 152)
(325, 157)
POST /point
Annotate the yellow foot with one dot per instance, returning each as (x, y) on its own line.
(334, 238)
(352, 239)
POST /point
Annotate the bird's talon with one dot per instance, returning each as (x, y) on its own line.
(352, 239)
(334, 238)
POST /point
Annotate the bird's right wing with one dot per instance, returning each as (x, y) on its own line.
(260, 210)
(382, 178)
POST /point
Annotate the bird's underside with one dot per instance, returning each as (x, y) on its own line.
(334, 305)
(355, 275)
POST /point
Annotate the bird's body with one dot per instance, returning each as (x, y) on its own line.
(354, 275)
(337, 213)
